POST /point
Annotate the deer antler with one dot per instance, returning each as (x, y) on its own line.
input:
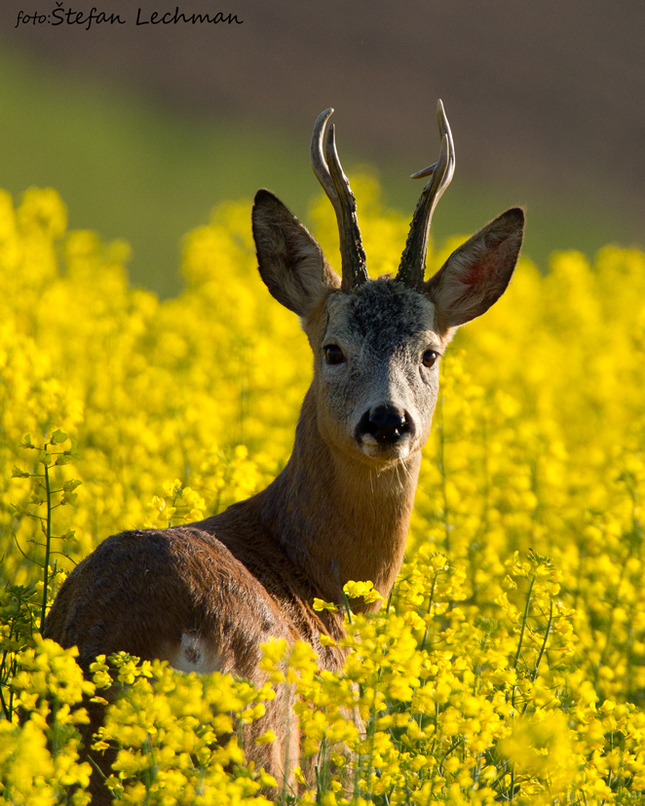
(413, 260)
(328, 169)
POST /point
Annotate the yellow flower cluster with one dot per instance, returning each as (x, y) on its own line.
(39, 759)
(167, 728)
(509, 663)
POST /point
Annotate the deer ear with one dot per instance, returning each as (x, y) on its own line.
(476, 275)
(291, 262)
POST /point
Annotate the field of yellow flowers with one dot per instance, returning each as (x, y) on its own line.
(509, 664)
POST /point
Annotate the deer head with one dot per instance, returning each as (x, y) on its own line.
(377, 343)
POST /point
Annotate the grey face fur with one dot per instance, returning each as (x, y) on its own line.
(384, 331)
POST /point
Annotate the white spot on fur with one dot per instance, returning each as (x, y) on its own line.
(194, 655)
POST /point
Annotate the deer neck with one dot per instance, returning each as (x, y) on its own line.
(338, 518)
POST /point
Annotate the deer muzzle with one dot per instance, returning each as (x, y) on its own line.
(385, 425)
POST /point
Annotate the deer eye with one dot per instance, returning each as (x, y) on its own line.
(429, 358)
(333, 354)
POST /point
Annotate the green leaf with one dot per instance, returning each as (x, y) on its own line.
(73, 451)
(45, 458)
(58, 437)
(17, 473)
(69, 498)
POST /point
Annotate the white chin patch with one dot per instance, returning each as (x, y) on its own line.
(370, 447)
(194, 655)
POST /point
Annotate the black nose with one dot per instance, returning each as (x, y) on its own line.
(387, 424)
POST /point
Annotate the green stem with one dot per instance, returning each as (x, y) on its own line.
(430, 603)
(524, 620)
(348, 609)
(519, 643)
(48, 535)
(543, 647)
(6, 708)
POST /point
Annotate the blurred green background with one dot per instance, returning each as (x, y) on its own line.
(144, 131)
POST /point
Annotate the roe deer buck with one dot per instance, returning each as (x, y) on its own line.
(204, 596)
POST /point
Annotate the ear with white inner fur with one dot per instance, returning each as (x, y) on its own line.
(291, 262)
(476, 275)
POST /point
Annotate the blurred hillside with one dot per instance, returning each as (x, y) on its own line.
(545, 102)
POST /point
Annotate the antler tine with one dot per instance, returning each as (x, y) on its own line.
(413, 260)
(318, 154)
(327, 167)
